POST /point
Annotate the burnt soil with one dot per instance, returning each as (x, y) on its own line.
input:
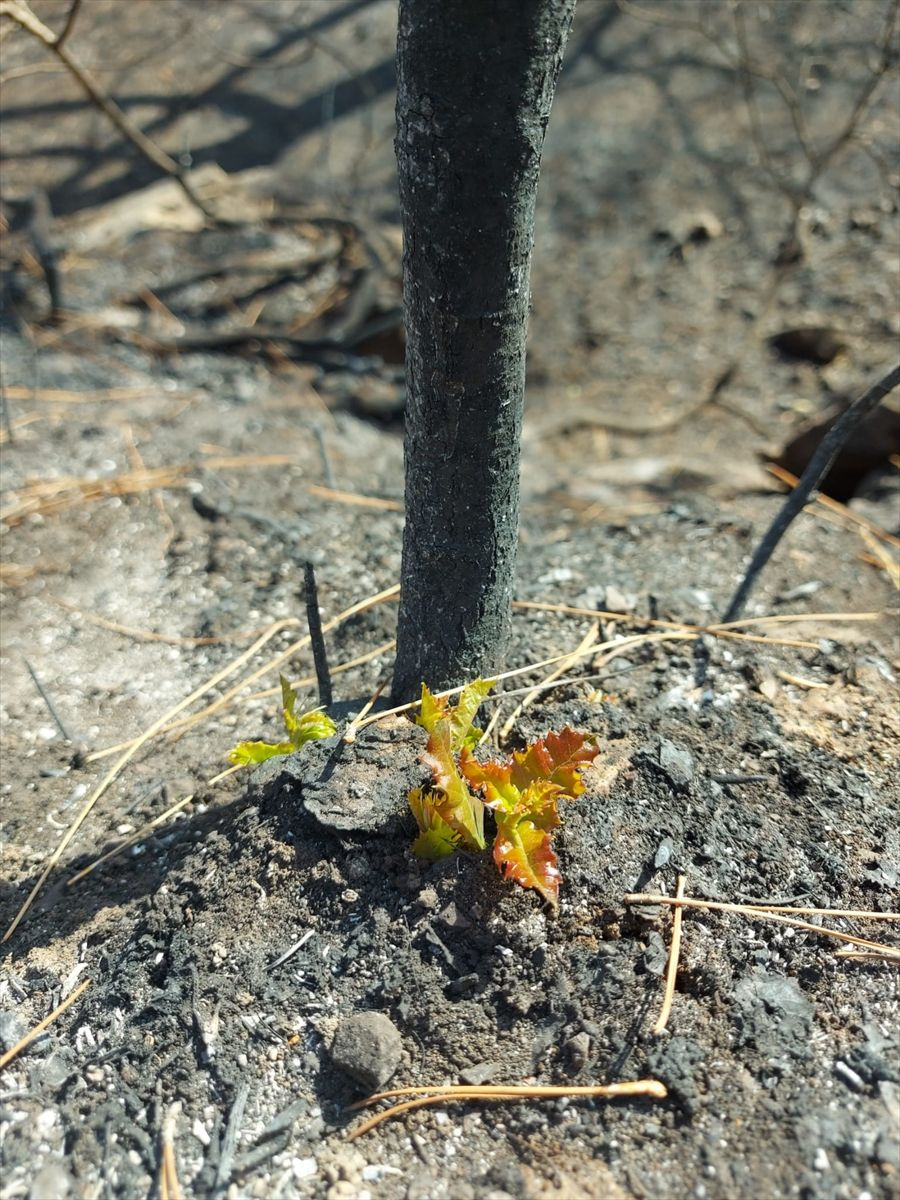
(227, 947)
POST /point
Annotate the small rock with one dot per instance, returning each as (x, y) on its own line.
(676, 764)
(453, 918)
(478, 1073)
(13, 1028)
(428, 899)
(617, 601)
(663, 853)
(367, 1047)
(578, 1049)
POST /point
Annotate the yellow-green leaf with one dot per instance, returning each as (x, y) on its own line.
(460, 809)
(431, 710)
(523, 852)
(247, 754)
(311, 727)
(436, 838)
(461, 714)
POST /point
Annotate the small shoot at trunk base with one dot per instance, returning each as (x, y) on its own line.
(521, 791)
(300, 727)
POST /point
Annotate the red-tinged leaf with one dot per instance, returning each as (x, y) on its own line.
(523, 849)
(461, 810)
(436, 838)
(558, 757)
(494, 778)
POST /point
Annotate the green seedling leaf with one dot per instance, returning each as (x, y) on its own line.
(436, 838)
(247, 754)
(431, 710)
(461, 714)
(462, 811)
(307, 727)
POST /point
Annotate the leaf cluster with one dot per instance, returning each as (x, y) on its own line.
(521, 791)
(300, 728)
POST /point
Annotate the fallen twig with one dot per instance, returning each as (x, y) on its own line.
(651, 1088)
(672, 970)
(29, 1037)
(316, 637)
(773, 912)
(18, 11)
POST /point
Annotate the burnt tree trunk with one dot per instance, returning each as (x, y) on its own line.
(476, 79)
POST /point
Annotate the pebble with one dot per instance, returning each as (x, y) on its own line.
(304, 1168)
(578, 1049)
(478, 1073)
(367, 1047)
(677, 764)
(13, 1028)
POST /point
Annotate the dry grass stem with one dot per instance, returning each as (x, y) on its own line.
(48, 496)
(184, 723)
(148, 635)
(327, 493)
(672, 969)
(169, 1187)
(273, 664)
(621, 647)
(588, 642)
(888, 954)
(797, 681)
(767, 912)
(716, 630)
(852, 518)
(309, 680)
(29, 1037)
(676, 633)
(637, 1088)
(350, 734)
(131, 840)
(889, 565)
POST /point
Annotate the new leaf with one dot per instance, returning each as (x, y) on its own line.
(523, 848)
(307, 727)
(454, 802)
(436, 838)
(461, 715)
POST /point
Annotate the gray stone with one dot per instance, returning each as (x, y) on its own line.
(676, 764)
(367, 1047)
(478, 1073)
(13, 1028)
(360, 787)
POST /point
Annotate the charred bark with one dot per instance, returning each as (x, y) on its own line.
(475, 83)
